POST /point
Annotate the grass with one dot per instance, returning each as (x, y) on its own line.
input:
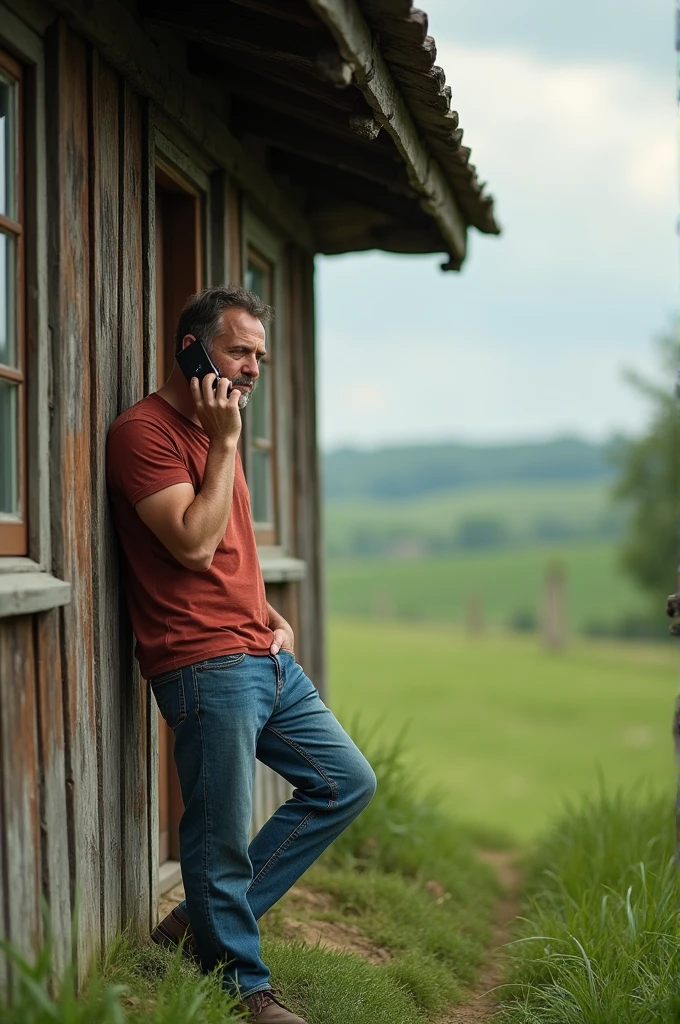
(507, 581)
(409, 878)
(133, 984)
(525, 511)
(380, 875)
(601, 941)
(504, 729)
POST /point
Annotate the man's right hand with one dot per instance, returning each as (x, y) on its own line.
(220, 415)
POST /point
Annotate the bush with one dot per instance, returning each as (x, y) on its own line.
(630, 627)
(523, 621)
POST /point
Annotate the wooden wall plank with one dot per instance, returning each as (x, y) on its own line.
(19, 781)
(218, 234)
(150, 362)
(135, 789)
(53, 825)
(307, 529)
(105, 200)
(234, 269)
(71, 485)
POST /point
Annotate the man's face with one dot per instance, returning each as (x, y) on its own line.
(237, 350)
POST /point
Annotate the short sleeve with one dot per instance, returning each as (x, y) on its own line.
(141, 458)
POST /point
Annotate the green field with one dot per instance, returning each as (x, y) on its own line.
(507, 581)
(504, 729)
(521, 513)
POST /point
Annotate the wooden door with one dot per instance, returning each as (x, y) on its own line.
(179, 273)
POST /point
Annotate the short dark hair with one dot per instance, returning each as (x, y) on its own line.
(202, 313)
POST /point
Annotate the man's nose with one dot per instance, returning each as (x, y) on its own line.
(251, 368)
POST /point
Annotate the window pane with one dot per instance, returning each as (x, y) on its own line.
(259, 405)
(257, 280)
(261, 489)
(8, 99)
(9, 444)
(8, 291)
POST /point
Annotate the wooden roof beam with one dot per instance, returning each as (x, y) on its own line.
(347, 152)
(358, 47)
(116, 31)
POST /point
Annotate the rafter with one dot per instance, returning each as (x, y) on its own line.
(358, 47)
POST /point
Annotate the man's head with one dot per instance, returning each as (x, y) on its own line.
(231, 323)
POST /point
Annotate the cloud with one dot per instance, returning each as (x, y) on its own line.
(634, 32)
(580, 155)
(471, 387)
(530, 339)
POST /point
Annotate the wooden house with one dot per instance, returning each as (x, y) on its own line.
(148, 149)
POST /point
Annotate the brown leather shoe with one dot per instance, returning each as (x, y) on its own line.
(265, 1008)
(172, 929)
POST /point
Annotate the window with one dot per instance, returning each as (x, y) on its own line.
(13, 525)
(260, 443)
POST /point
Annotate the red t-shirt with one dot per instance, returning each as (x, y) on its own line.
(179, 615)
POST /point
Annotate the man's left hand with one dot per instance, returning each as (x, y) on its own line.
(284, 638)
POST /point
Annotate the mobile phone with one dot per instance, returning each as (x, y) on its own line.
(194, 361)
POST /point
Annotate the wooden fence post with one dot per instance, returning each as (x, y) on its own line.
(554, 617)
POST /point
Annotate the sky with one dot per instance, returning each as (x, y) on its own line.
(570, 113)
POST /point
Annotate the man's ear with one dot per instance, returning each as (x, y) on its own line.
(187, 340)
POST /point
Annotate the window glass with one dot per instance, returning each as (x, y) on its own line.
(7, 147)
(9, 482)
(259, 405)
(258, 279)
(261, 488)
(8, 291)
(13, 526)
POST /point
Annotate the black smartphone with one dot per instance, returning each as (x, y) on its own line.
(194, 361)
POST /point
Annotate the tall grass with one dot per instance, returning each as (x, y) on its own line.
(404, 830)
(601, 942)
(132, 984)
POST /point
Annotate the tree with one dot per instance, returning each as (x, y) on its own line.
(648, 483)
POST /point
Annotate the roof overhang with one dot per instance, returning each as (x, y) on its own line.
(343, 102)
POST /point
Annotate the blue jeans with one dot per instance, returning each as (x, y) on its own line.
(225, 712)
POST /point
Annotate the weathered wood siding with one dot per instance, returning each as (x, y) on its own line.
(74, 735)
(78, 740)
(306, 515)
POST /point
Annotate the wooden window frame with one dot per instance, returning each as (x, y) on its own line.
(27, 584)
(14, 528)
(260, 236)
(266, 533)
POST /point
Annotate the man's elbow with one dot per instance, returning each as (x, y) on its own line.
(197, 561)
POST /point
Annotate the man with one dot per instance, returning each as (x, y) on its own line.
(220, 660)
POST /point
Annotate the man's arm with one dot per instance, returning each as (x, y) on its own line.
(284, 640)
(192, 525)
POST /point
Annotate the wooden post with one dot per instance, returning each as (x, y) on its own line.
(554, 618)
(474, 614)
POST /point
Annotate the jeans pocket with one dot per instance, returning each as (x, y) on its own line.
(168, 690)
(220, 662)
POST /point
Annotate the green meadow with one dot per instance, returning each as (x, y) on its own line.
(503, 729)
(507, 582)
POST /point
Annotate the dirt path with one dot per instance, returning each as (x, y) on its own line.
(481, 1003)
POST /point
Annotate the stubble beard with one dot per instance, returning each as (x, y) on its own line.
(244, 397)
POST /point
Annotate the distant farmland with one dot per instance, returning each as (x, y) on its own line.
(487, 515)
(507, 582)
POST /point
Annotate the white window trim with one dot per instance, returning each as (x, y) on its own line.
(257, 235)
(26, 584)
(278, 567)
